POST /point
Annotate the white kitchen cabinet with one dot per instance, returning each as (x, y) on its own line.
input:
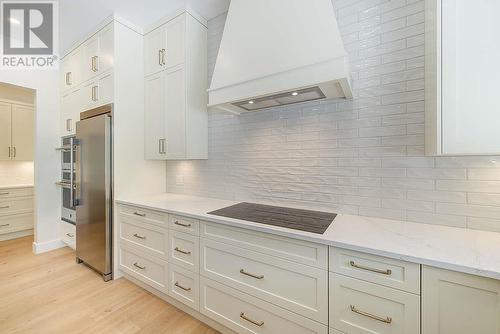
(17, 135)
(71, 106)
(462, 68)
(98, 92)
(16, 213)
(71, 70)
(456, 303)
(98, 54)
(176, 124)
(5, 130)
(67, 233)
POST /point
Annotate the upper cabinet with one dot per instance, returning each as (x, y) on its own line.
(17, 132)
(462, 68)
(176, 120)
(87, 77)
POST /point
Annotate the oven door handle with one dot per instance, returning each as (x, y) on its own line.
(64, 184)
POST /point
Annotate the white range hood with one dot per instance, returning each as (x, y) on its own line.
(276, 52)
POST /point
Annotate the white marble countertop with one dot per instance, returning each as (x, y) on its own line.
(468, 251)
(15, 186)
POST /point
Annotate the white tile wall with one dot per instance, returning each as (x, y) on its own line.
(363, 156)
(16, 172)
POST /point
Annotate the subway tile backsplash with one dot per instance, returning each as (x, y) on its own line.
(363, 156)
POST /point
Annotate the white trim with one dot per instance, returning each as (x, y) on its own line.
(42, 247)
(175, 14)
(17, 103)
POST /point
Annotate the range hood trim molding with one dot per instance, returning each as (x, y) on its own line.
(303, 77)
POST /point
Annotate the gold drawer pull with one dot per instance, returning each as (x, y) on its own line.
(181, 224)
(256, 323)
(242, 271)
(177, 249)
(140, 214)
(378, 271)
(70, 235)
(181, 287)
(139, 236)
(386, 320)
(4, 225)
(5, 207)
(138, 266)
(4, 193)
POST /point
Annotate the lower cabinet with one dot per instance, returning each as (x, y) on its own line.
(184, 286)
(456, 303)
(68, 234)
(16, 213)
(245, 313)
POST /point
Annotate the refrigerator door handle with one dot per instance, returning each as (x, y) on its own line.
(77, 169)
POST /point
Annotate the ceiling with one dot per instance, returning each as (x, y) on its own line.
(79, 17)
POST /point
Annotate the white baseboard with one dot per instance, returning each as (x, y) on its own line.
(42, 247)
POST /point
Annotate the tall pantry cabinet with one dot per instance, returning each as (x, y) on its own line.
(175, 83)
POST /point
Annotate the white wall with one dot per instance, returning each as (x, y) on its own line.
(47, 160)
(364, 156)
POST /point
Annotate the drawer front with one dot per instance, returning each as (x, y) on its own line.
(184, 250)
(377, 269)
(10, 224)
(144, 216)
(148, 269)
(148, 238)
(15, 205)
(68, 234)
(18, 192)
(295, 287)
(244, 313)
(184, 224)
(365, 308)
(307, 253)
(184, 286)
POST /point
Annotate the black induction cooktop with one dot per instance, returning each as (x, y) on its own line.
(297, 219)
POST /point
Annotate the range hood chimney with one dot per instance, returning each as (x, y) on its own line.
(276, 52)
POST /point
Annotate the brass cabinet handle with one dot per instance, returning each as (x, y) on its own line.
(94, 63)
(5, 207)
(140, 214)
(95, 93)
(4, 193)
(160, 57)
(139, 236)
(10, 154)
(69, 123)
(378, 271)
(181, 224)
(14, 153)
(70, 235)
(242, 271)
(181, 287)
(386, 320)
(138, 266)
(256, 323)
(177, 249)
(4, 225)
(163, 52)
(68, 78)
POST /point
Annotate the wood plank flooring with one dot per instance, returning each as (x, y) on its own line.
(51, 294)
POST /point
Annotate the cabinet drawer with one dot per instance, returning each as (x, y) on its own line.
(148, 269)
(18, 192)
(148, 238)
(68, 234)
(307, 253)
(144, 215)
(296, 287)
(14, 205)
(184, 250)
(15, 223)
(358, 307)
(377, 269)
(184, 286)
(184, 224)
(244, 313)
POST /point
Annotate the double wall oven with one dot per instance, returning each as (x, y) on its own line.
(67, 183)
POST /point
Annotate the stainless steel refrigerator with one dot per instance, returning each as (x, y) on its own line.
(93, 194)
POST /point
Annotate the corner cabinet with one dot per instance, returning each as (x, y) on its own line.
(176, 120)
(456, 303)
(462, 68)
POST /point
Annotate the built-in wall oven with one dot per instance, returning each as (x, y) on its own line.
(67, 183)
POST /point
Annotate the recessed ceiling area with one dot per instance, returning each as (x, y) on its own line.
(78, 17)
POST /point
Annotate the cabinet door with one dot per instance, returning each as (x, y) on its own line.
(88, 92)
(176, 32)
(67, 122)
(154, 44)
(103, 91)
(175, 113)
(90, 52)
(154, 91)
(106, 49)
(23, 132)
(456, 303)
(5, 130)
(65, 72)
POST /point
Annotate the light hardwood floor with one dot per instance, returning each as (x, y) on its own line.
(51, 294)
